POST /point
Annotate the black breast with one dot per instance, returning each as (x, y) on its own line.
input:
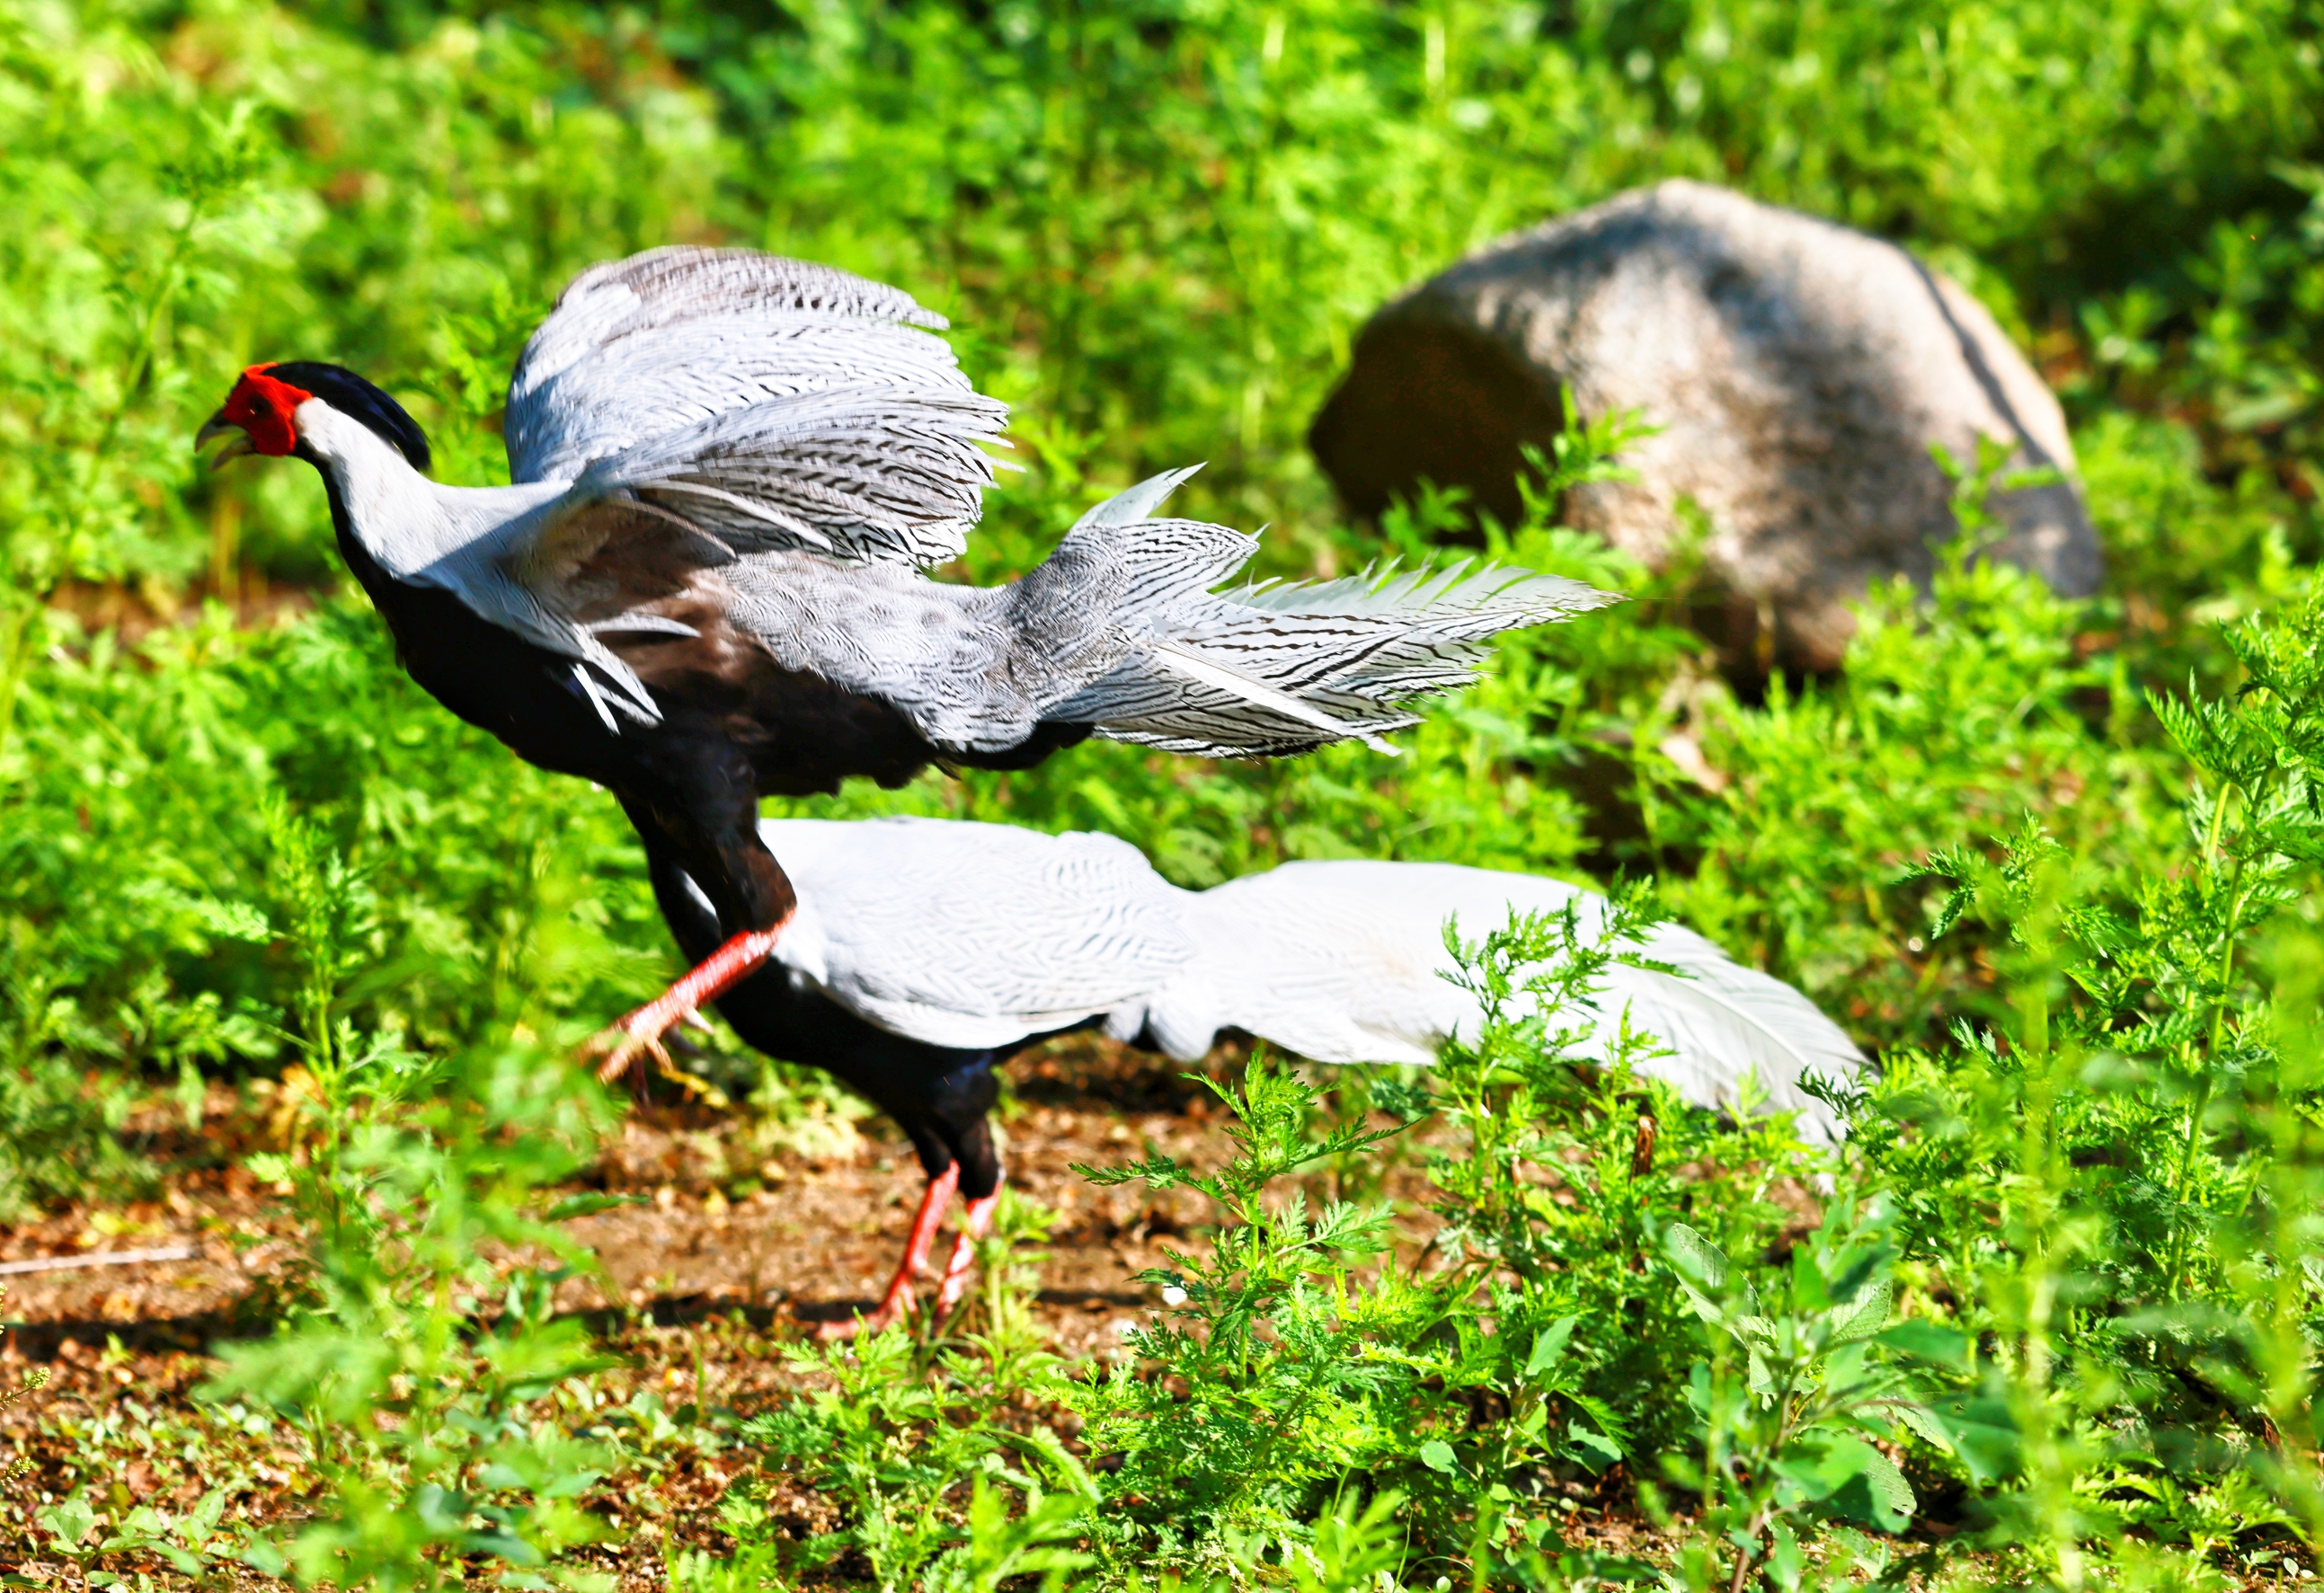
(490, 676)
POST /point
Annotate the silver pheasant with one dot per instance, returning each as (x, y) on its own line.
(707, 580)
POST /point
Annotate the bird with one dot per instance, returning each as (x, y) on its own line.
(707, 582)
(924, 953)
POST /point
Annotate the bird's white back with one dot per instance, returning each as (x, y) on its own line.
(974, 936)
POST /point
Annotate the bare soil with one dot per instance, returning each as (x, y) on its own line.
(728, 1255)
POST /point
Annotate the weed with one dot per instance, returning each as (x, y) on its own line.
(33, 1380)
(235, 842)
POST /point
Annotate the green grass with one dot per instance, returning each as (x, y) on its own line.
(2055, 860)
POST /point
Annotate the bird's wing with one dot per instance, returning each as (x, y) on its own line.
(973, 935)
(942, 655)
(1344, 961)
(771, 402)
(585, 567)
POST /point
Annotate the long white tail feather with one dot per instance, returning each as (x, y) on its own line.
(971, 936)
(1769, 1017)
(1344, 962)
(1715, 1012)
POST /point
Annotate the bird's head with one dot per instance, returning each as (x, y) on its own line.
(262, 414)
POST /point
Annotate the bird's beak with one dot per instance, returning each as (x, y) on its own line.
(217, 426)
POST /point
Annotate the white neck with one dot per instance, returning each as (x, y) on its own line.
(394, 510)
(356, 456)
(415, 528)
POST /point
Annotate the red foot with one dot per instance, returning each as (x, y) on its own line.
(973, 1226)
(639, 1034)
(897, 1301)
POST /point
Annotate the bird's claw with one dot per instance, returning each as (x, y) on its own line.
(619, 1049)
(901, 1302)
(896, 1308)
(891, 1310)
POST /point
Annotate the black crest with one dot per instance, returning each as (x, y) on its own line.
(351, 395)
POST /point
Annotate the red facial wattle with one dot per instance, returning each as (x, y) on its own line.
(264, 406)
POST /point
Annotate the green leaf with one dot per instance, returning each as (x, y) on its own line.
(1784, 1560)
(141, 1526)
(1437, 1456)
(69, 1521)
(220, 920)
(1892, 1496)
(1701, 1270)
(505, 1545)
(1927, 1340)
(1702, 1305)
(1695, 1257)
(1919, 1419)
(1981, 1431)
(1595, 1447)
(1548, 1346)
(1863, 1316)
(1844, 1476)
(1043, 1443)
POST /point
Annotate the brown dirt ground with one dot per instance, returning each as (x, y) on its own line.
(695, 1281)
(700, 1288)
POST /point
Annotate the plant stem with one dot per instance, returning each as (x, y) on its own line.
(23, 636)
(149, 337)
(2208, 1062)
(1745, 1557)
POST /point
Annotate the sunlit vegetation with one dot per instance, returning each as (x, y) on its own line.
(2051, 1319)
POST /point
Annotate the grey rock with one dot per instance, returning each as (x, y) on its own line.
(1801, 370)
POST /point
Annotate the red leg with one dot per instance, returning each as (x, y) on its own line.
(973, 1226)
(639, 1034)
(899, 1298)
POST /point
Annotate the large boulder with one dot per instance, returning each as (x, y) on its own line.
(1800, 370)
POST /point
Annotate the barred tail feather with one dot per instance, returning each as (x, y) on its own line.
(1276, 669)
(1239, 688)
(1126, 634)
(1384, 635)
